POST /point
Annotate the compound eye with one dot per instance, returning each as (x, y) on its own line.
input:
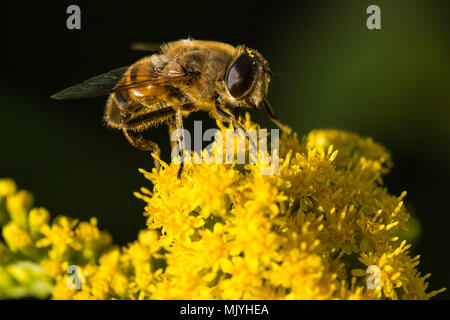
(240, 77)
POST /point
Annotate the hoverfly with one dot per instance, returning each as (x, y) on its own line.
(185, 76)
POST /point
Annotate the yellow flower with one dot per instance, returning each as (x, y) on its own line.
(232, 233)
(17, 238)
(316, 229)
(38, 252)
(54, 268)
(92, 241)
(7, 187)
(18, 205)
(38, 217)
(60, 237)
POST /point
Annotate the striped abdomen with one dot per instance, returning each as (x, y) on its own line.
(138, 97)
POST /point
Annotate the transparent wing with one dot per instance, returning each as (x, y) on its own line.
(109, 82)
(96, 86)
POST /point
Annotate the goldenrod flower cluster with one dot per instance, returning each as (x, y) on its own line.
(36, 252)
(227, 231)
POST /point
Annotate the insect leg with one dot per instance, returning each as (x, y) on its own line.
(274, 118)
(236, 113)
(138, 141)
(179, 125)
(171, 122)
(227, 116)
(231, 118)
(172, 126)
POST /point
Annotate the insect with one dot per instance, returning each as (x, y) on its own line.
(185, 76)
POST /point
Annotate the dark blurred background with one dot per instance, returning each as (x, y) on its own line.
(330, 71)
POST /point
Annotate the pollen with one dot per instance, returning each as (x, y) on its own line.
(250, 53)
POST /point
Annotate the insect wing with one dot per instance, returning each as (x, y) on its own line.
(96, 86)
(109, 82)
